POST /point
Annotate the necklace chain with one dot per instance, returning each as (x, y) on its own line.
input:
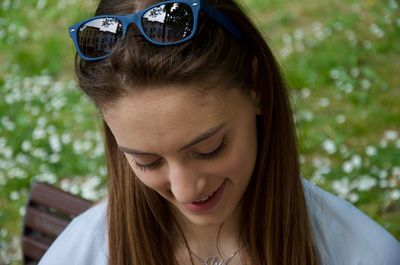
(213, 260)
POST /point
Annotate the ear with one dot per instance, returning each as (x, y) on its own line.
(256, 97)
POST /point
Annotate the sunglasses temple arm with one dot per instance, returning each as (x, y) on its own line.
(221, 18)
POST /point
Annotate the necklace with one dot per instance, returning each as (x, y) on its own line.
(213, 260)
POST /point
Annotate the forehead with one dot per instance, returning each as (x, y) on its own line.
(168, 116)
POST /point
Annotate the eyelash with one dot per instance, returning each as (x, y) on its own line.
(207, 156)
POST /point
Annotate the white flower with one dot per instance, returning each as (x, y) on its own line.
(54, 158)
(305, 92)
(26, 145)
(308, 116)
(35, 111)
(367, 44)
(14, 195)
(394, 195)
(55, 143)
(58, 103)
(324, 102)
(392, 183)
(383, 174)
(66, 138)
(396, 172)
(40, 153)
(88, 188)
(7, 152)
(102, 171)
(353, 197)
(317, 178)
(390, 135)
(3, 232)
(387, 19)
(365, 84)
(23, 33)
(355, 72)
(356, 161)
(347, 167)
(370, 150)
(298, 34)
(41, 4)
(287, 39)
(334, 74)
(42, 121)
(99, 150)
(377, 31)
(18, 173)
(350, 35)
(340, 119)
(22, 211)
(39, 133)
(365, 183)
(3, 180)
(51, 129)
(383, 183)
(22, 159)
(329, 146)
(46, 177)
(341, 187)
(393, 4)
(348, 88)
(3, 142)
(7, 123)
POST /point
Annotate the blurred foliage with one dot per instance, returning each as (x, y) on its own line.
(340, 58)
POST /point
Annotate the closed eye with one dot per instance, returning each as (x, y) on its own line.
(204, 156)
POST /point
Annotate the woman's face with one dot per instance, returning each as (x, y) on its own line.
(189, 147)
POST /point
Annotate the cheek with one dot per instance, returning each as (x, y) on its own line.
(239, 164)
(152, 179)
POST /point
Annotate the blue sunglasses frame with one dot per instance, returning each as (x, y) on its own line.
(136, 17)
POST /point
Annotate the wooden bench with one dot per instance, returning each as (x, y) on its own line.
(48, 212)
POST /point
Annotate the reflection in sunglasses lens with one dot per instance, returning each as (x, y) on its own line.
(97, 37)
(168, 22)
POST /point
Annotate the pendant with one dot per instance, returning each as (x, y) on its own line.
(212, 260)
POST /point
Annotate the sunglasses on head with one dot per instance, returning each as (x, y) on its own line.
(165, 23)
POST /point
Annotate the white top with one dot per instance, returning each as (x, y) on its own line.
(343, 235)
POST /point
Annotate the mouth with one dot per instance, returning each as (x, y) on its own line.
(206, 198)
(208, 202)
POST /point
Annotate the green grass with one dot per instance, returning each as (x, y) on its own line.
(341, 60)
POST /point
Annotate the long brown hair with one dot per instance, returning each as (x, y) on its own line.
(275, 223)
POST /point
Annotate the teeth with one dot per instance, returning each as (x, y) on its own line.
(205, 198)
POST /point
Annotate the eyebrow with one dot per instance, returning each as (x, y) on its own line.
(203, 136)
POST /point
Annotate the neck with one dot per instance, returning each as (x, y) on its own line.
(220, 240)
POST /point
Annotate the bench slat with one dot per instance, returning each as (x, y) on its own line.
(49, 211)
(46, 223)
(63, 201)
(33, 248)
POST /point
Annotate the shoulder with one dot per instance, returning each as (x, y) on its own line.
(345, 235)
(83, 241)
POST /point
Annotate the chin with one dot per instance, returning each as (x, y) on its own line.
(206, 221)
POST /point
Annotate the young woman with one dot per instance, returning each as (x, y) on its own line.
(201, 149)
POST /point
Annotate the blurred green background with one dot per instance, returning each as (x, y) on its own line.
(341, 59)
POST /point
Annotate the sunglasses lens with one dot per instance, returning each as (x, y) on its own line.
(168, 23)
(97, 37)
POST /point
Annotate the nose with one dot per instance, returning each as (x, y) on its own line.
(185, 182)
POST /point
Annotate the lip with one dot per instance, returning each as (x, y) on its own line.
(201, 207)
